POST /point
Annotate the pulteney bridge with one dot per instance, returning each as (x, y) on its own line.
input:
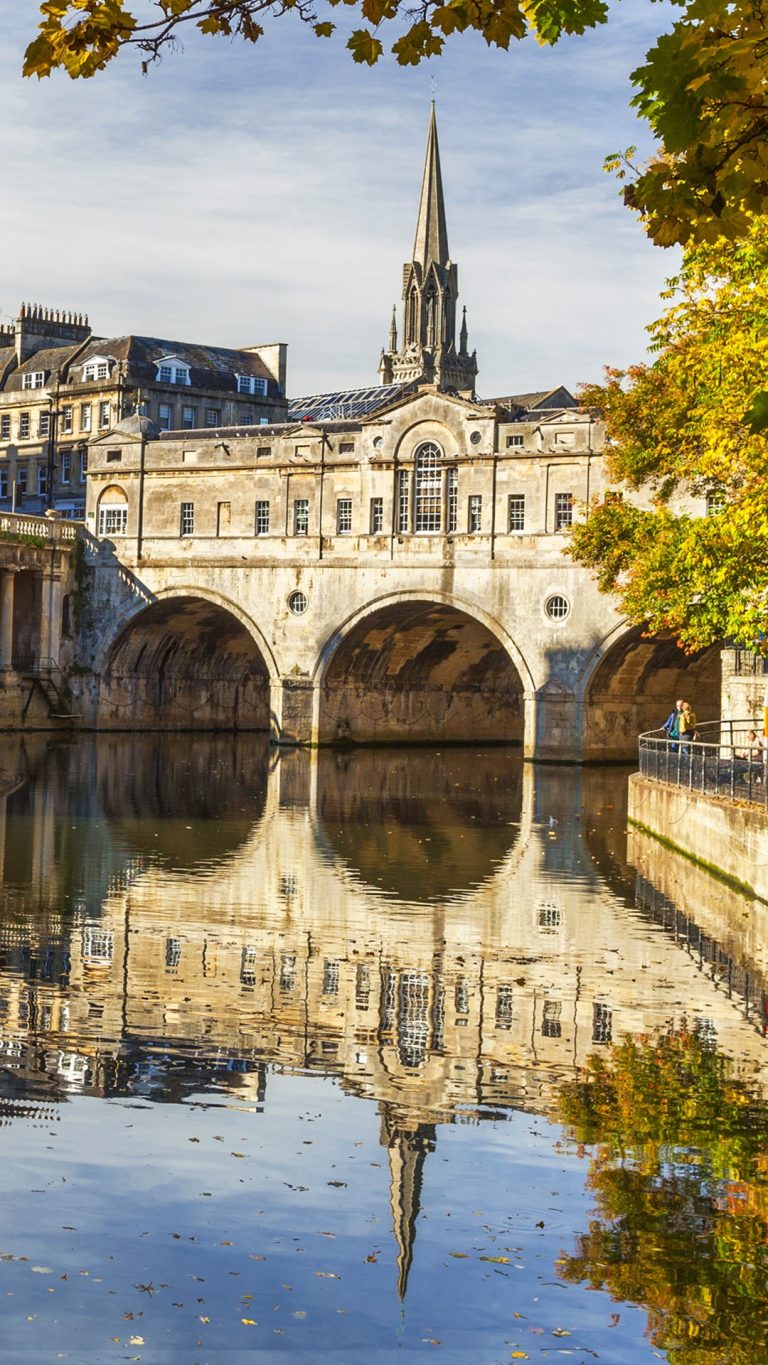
(396, 578)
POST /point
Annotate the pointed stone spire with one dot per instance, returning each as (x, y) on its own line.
(463, 333)
(393, 329)
(431, 241)
(427, 353)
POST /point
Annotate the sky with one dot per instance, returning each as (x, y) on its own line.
(239, 195)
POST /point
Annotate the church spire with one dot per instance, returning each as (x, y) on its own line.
(431, 241)
(427, 352)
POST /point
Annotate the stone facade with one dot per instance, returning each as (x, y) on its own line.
(60, 386)
(398, 578)
(38, 608)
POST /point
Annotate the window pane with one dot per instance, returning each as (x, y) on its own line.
(301, 517)
(428, 487)
(187, 519)
(262, 517)
(563, 510)
(516, 513)
(377, 516)
(343, 516)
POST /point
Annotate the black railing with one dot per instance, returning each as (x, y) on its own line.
(749, 665)
(726, 759)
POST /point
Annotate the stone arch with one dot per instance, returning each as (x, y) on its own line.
(631, 684)
(188, 660)
(420, 668)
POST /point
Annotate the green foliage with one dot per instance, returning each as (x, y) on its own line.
(690, 422)
(17, 538)
(702, 89)
(679, 1170)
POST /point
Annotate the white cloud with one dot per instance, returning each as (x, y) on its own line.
(241, 195)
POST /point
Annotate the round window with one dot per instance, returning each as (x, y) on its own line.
(557, 607)
(378, 442)
(476, 438)
(298, 603)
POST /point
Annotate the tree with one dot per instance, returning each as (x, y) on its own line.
(678, 1168)
(691, 421)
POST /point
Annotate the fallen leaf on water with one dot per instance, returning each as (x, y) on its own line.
(136, 1341)
(458, 1255)
(497, 1260)
(237, 1154)
(327, 1274)
(561, 1332)
(41, 1270)
(249, 1322)
(520, 1355)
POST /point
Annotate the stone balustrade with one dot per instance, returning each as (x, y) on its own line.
(51, 529)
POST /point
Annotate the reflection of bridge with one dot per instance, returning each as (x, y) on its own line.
(262, 926)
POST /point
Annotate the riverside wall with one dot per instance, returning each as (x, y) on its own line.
(730, 838)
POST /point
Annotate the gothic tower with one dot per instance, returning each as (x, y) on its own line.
(428, 352)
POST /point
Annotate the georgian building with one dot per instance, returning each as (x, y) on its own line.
(61, 386)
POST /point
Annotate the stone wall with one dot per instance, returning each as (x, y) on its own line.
(728, 837)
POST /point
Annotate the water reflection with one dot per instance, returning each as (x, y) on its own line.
(679, 1177)
(448, 935)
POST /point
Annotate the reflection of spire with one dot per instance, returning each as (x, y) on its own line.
(407, 1147)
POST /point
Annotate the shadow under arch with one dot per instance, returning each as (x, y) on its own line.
(632, 687)
(416, 668)
(186, 662)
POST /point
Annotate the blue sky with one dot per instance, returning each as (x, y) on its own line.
(242, 195)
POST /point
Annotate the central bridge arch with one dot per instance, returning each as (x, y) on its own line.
(419, 669)
(186, 662)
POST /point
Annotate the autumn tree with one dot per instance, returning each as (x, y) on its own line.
(691, 422)
(677, 1150)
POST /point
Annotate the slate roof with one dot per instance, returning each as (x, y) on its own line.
(50, 359)
(211, 367)
(547, 399)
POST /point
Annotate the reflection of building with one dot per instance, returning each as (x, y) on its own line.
(203, 946)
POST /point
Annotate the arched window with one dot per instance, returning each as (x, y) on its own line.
(113, 512)
(428, 488)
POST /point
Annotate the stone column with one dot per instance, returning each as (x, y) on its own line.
(48, 598)
(6, 619)
(554, 725)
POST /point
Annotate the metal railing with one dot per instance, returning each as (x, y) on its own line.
(746, 664)
(721, 761)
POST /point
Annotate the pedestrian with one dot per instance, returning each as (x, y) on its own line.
(687, 724)
(672, 723)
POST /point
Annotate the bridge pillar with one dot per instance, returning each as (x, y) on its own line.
(553, 725)
(292, 709)
(7, 579)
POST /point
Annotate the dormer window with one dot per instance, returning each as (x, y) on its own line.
(97, 367)
(250, 383)
(34, 379)
(170, 370)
